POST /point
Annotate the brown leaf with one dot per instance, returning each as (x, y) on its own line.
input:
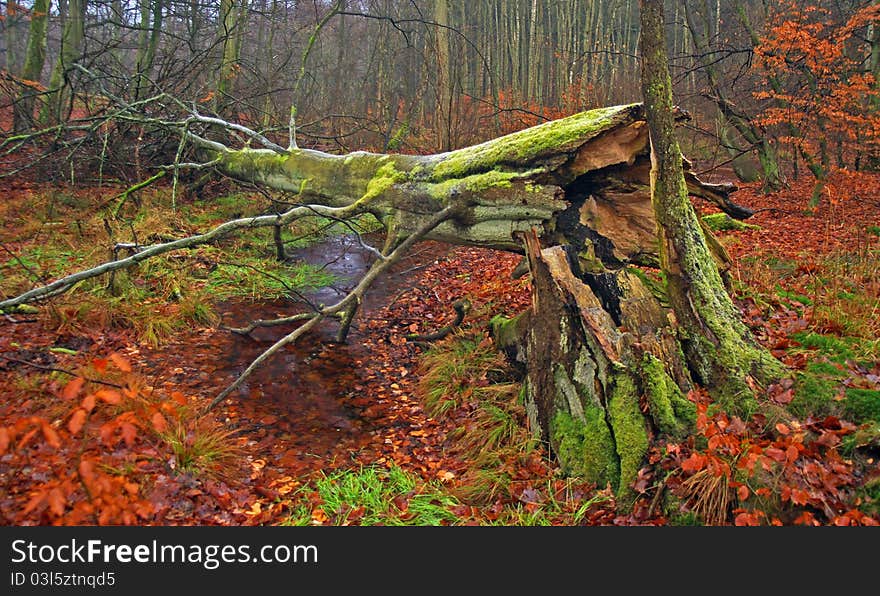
(56, 501)
(159, 422)
(77, 421)
(109, 396)
(120, 362)
(73, 388)
(51, 436)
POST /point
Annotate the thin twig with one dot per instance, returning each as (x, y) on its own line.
(61, 370)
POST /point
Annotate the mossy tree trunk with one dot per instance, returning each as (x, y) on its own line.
(720, 349)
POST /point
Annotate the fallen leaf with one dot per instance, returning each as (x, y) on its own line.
(109, 396)
(77, 421)
(120, 362)
(73, 388)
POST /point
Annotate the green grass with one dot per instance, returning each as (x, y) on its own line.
(372, 496)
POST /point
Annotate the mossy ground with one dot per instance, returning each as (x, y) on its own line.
(63, 232)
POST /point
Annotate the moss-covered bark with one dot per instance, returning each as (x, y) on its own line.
(719, 347)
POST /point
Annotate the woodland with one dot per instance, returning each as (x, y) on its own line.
(440, 262)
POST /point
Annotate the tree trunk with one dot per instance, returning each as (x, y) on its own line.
(72, 38)
(720, 350)
(35, 58)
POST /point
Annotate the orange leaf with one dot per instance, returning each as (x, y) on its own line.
(34, 502)
(120, 362)
(742, 492)
(77, 421)
(56, 501)
(4, 439)
(129, 432)
(179, 397)
(51, 436)
(111, 397)
(783, 429)
(87, 472)
(73, 388)
(26, 438)
(694, 463)
(159, 422)
(106, 431)
(100, 364)
(88, 402)
(775, 454)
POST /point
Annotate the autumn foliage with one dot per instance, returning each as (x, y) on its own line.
(820, 94)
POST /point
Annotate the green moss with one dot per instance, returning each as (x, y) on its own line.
(386, 176)
(656, 285)
(506, 332)
(630, 434)
(862, 405)
(837, 349)
(827, 369)
(813, 395)
(670, 409)
(526, 145)
(723, 222)
(585, 448)
(870, 494)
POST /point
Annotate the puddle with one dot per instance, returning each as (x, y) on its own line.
(310, 386)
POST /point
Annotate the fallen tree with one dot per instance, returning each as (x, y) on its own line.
(607, 359)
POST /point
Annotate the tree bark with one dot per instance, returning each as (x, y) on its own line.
(719, 347)
(35, 58)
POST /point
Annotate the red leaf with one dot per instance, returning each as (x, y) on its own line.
(77, 421)
(73, 388)
(5, 439)
(746, 519)
(777, 455)
(111, 397)
(100, 364)
(120, 362)
(742, 492)
(694, 463)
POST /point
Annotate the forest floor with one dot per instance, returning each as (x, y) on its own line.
(101, 413)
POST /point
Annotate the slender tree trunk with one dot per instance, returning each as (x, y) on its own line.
(148, 42)
(444, 75)
(720, 350)
(35, 58)
(72, 38)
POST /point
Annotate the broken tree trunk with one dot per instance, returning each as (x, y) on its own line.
(582, 181)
